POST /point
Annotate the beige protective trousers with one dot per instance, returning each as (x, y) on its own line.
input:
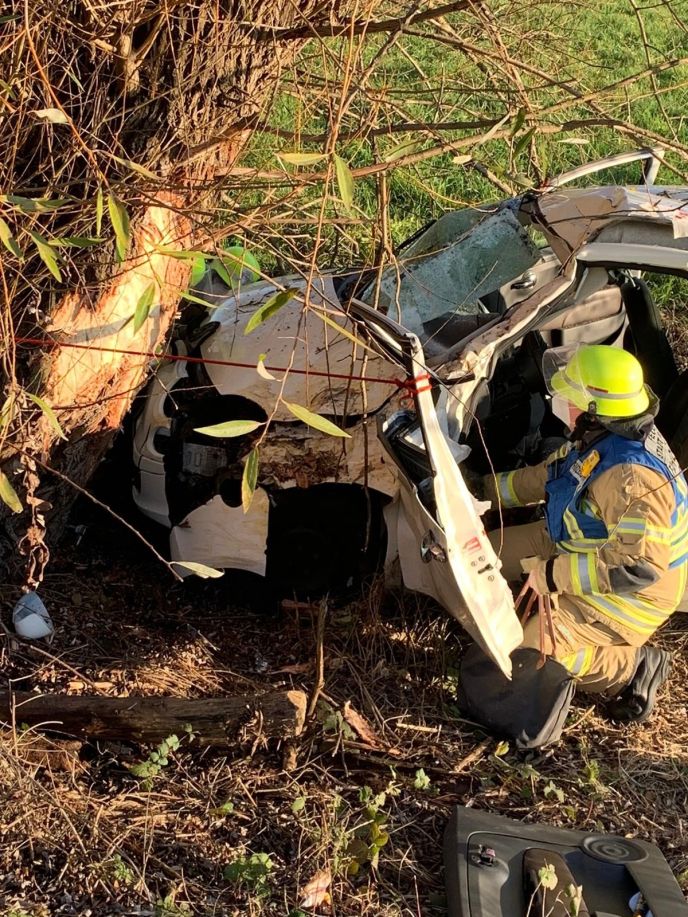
(605, 661)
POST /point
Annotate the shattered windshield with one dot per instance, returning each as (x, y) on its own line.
(462, 257)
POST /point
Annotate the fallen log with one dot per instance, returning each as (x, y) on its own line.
(216, 721)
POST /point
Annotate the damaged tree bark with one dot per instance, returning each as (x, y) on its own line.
(217, 721)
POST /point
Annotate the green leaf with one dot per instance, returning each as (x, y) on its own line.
(298, 804)
(197, 271)
(217, 265)
(120, 223)
(34, 204)
(315, 420)
(301, 159)
(229, 428)
(54, 115)
(345, 181)
(47, 254)
(271, 305)
(135, 167)
(502, 749)
(199, 569)
(521, 144)
(249, 479)
(403, 149)
(8, 494)
(49, 413)
(99, 210)
(518, 121)
(74, 242)
(143, 307)
(8, 240)
(340, 329)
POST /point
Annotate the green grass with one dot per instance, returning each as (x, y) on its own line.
(586, 47)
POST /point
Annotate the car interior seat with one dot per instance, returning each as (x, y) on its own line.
(646, 337)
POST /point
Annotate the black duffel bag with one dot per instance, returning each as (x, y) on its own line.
(530, 709)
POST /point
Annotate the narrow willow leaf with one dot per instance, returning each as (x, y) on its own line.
(229, 428)
(8, 240)
(199, 569)
(135, 167)
(8, 494)
(249, 479)
(180, 253)
(99, 210)
(301, 159)
(574, 141)
(7, 412)
(518, 121)
(143, 307)
(49, 413)
(54, 115)
(340, 329)
(74, 242)
(521, 144)
(35, 204)
(402, 149)
(262, 370)
(345, 181)
(47, 254)
(119, 218)
(271, 305)
(461, 159)
(315, 420)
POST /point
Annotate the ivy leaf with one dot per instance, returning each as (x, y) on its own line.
(345, 181)
(54, 115)
(119, 218)
(249, 479)
(8, 240)
(8, 494)
(315, 420)
(99, 210)
(49, 413)
(143, 307)
(47, 254)
(301, 159)
(199, 569)
(229, 428)
(271, 305)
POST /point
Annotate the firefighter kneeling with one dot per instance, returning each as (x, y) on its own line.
(609, 558)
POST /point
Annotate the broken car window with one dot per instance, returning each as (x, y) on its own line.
(461, 258)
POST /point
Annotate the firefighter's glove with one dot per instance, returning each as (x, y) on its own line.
(540, 575)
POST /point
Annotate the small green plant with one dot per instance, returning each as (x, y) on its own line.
(421, 781)
(591, 779)
(369, 836)
(298, 805)
(252, 872)
(226, 808)
(167, 907)
(119, 871)
(157, 759)
(551, 789)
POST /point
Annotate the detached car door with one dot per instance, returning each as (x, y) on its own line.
(443, 548)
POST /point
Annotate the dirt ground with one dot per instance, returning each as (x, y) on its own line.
(81, 834)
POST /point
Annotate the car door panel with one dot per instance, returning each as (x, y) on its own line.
(444, 550)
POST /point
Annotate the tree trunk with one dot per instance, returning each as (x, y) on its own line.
(216, 721)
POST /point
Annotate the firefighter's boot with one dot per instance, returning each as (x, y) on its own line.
(635, 703)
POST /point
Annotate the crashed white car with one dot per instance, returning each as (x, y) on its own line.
(435, 374)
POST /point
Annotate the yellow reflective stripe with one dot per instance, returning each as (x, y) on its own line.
(571, 525)
(579, 663)
(632, 613)
(584, 573)
(505, 487)
(581, 545)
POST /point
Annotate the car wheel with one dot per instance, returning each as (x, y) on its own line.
(324, 540)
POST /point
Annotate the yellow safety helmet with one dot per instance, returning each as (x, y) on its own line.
(597, 378)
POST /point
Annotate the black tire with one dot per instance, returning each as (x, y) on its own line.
(324, 539)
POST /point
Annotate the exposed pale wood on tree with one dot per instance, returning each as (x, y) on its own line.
(216, 721)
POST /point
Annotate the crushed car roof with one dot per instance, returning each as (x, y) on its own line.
(573, 217)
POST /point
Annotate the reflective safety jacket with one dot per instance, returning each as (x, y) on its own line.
(617, 513)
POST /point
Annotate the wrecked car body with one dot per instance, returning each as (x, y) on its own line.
(433, 369)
